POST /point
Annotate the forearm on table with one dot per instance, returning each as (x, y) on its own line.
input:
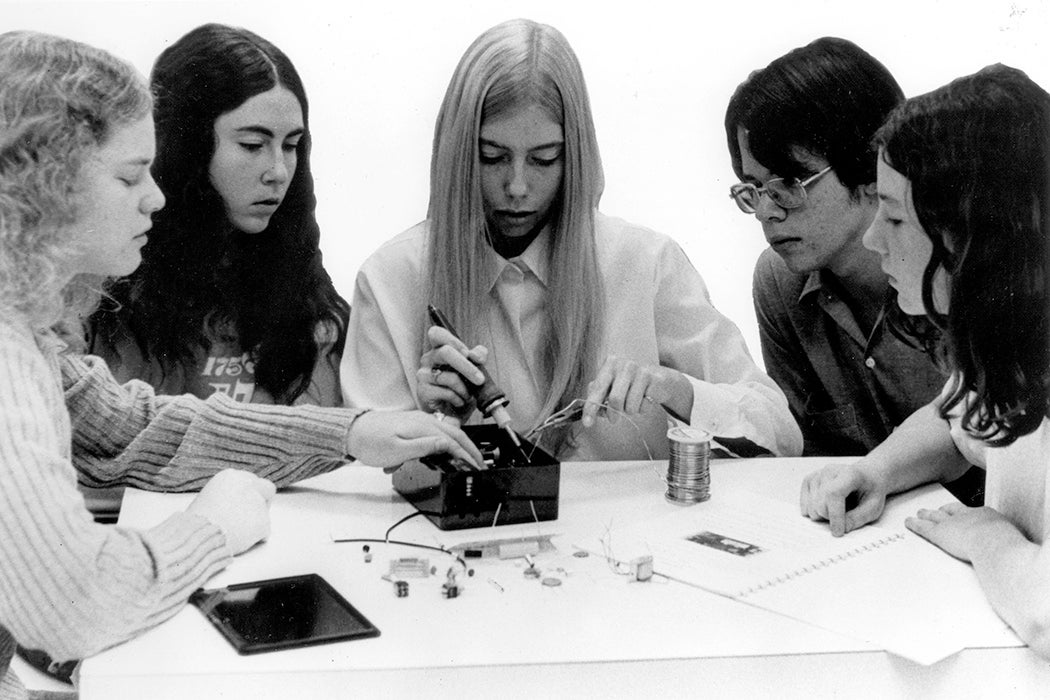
(918, 452)
(1015, 575)
(110, 583)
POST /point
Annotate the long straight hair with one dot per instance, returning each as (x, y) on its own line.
(510, 66)
(976, 153)
(271, 285)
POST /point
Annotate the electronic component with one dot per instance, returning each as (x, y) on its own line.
(515, 549)
(642, 567)
(410, 567)
(455, 496)
(450, 588)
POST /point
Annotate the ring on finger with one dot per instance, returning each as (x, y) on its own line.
(435, 372)
(439, 416)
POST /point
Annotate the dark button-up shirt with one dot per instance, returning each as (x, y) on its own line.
(847, 389)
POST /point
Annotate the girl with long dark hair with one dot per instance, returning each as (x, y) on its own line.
(963, 229)
(231, 295)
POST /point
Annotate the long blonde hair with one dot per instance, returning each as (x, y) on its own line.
(59, 102)
(515, 64)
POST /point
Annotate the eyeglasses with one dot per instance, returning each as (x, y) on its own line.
(784, 193)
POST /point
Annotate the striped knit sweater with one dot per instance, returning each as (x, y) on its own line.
(72, 587)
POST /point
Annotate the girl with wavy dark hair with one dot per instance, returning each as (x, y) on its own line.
(231, 295)
(963, 229)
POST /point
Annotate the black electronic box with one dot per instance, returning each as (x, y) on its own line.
(518, 486)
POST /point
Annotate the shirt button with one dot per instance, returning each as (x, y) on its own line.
(870, 363)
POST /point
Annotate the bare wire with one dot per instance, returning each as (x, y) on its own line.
(573, 411)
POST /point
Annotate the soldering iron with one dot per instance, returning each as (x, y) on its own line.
(490, 398)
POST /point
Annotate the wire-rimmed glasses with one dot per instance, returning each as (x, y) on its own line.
(786, 194)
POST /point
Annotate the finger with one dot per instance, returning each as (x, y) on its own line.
(478, 354)
(920, 526)
(446, 387)
(460, 445)
(456, 360)
(438, 336)
(934, 516)
(660, 381)
(804, 495)
(637, 398)
(442, 444)
(621, 384)
(447, 420)
(816, 506)
(867, 510)
(434, 398)
(427, 360)
(596, 392)
(266, 488)
(836, 506)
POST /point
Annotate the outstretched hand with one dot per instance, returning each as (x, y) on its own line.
(390, 438)
(953, 527)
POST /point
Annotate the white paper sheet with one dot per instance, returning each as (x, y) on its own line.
(886, 587)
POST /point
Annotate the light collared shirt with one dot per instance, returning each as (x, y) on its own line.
(657, 312)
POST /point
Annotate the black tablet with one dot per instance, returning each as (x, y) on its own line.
(282, 613)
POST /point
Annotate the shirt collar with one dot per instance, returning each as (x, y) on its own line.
(534, 259)
(814, 283)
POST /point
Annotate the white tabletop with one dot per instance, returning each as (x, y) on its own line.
(596, 634)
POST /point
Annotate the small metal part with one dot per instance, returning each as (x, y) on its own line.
(642, 567)
(368, 557)
(489, 453)
(450, 589)
(551, 581)
(515, 549)
(401, 589)
(410, 567)
(531, 572)
(581, 554)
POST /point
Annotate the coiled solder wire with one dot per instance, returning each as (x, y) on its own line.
(689, 468)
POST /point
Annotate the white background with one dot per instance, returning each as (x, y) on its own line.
(659, 74)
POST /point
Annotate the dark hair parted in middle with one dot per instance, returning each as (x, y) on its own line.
(826, 98)
(976, 154)
(197, 268)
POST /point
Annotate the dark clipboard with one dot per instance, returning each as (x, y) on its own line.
(282, 613)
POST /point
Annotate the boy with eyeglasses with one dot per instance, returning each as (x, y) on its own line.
(799, 134)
